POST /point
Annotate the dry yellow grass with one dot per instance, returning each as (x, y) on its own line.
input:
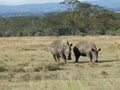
(27, 64)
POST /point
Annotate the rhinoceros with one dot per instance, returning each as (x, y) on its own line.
(61, 48)
(85, 48)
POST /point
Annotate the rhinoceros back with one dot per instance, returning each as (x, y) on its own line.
(58, 45)
(85, 46)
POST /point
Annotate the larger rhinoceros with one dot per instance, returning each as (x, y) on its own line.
(61, 48)
(85, 48)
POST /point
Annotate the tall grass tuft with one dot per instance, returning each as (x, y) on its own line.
(3, 69)
(52, 67)
(38, 69)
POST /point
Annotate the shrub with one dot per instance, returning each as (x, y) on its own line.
(2, 69)
(38, 77)
(26, 77)
(20, 69)
(38, 69)
(104, 73)
(53, 67)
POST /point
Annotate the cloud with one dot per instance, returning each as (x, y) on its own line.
(18, 2)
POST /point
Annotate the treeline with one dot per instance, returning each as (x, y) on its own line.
(79, 19)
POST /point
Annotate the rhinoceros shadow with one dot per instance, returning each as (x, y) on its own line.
(106, 61)
(81, 62)
(100, 61)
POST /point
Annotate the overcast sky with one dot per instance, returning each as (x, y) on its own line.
(18, 2)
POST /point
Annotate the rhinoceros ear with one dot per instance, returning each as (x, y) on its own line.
(93, 49)
(71, 44)
(99, 49)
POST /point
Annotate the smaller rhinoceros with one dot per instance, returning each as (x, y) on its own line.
(85, 48)
(61, 48)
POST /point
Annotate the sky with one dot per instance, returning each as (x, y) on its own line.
(19, 2)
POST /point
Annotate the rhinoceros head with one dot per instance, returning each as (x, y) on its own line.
(68, 51)
(95, 54)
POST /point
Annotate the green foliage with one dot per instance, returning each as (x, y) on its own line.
(78, 19)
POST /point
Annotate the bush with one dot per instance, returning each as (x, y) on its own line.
(104, 73)
(20, 69)
(52, 67)
(38, 69)
(19, 33)
(38, 77)
(2, 69)
(1, 34)
(26, 77)
(8, 33)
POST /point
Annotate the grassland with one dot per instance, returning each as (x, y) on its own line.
(27, 64)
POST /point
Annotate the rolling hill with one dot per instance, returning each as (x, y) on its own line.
(109, 4)
(40, 9)
(30, 9)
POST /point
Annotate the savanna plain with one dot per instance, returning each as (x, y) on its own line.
(27, 64)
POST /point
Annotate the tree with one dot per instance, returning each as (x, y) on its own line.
(71, 18)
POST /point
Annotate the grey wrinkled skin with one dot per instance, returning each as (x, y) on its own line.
(85, 48)
(61, 48)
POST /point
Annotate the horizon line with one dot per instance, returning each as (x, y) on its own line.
(38, 3)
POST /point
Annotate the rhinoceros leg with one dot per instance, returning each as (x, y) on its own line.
(90, 57)
(76, 53)
(76, 58)
(54, 56)
(58, 57)
(63, 57)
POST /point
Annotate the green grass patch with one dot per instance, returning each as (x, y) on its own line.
(19, 69)
(104, 73)
(3, 69)
(38, 69)
(53, 67)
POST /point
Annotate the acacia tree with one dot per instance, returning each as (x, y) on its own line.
(81, 16)
(70, 20)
